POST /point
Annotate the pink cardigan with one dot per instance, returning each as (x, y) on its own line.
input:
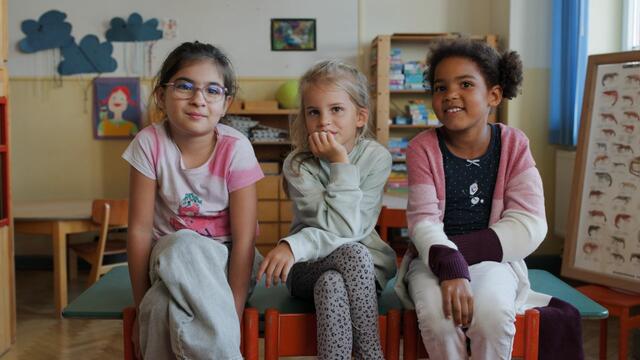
(517, 212)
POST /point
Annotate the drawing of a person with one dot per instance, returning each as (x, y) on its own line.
(112, 122)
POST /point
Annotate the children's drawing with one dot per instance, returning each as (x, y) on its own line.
(116, 113)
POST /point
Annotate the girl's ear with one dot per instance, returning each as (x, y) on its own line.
(362, 117)
(495, 95)
(159, 96)
(227, 102)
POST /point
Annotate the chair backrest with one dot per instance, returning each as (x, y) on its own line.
(107, 212)
(119, 212)
(391, 218)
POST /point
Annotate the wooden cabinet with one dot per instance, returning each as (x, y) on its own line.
(390, 103)
(7, 285)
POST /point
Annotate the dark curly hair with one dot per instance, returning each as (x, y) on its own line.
(497, 69)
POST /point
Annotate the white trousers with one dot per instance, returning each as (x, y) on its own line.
(492, 328)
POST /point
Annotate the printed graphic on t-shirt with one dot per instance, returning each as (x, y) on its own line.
(190, 217)
(473, 194)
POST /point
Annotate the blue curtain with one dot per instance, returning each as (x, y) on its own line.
(568, 69)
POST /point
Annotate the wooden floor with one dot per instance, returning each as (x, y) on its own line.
(41, 336)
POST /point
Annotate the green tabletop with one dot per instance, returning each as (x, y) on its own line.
(546, 283)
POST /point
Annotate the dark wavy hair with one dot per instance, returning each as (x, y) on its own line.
(503, 69)
(184, 54)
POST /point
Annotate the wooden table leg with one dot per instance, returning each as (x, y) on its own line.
(59, 235)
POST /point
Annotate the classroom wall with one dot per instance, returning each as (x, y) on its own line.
(55, 156)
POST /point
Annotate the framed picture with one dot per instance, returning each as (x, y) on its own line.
(116, 108)
(293, 34)
(603, 238)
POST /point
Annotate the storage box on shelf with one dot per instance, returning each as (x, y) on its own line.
(274, 208)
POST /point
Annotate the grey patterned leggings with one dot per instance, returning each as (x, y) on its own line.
(343, 287)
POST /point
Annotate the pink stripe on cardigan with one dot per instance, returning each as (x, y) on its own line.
(427, 181)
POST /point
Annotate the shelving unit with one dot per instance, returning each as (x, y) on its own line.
(7, 283)
(274, 208)
(389, 103)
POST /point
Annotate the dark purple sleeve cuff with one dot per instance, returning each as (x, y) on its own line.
(479, 246)
(447, 263)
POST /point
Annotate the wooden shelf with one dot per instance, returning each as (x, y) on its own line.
(264, 112)
(410, 91)
(271, 143)
(394, 126)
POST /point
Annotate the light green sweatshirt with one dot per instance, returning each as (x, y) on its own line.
(334, 204)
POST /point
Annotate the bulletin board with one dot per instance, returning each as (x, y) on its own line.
(603, 238)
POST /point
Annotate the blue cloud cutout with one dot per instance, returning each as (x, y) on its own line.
(90, 57)
(49, 32)
(134, 29)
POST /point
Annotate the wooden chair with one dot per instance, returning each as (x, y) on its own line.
(105, 214)
(290, 324)
(620, 305)
(525, 343)
(391, 218)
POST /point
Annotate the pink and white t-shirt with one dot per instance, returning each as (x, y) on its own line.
(198, 198)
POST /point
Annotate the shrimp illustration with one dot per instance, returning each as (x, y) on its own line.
(608, 76)
(598, 213)
(618, 241)
(633, 78)
(595, 194)
(589, 247)
(611, 95)
(627, 98)
(593, 229)
(608, 132)
(634, 166)
(628, 128)
(600, 160)
(604, 178)
(623, 148)
(622, 199)
(628, 186)
(621, 218)
(608, 117)
(619, 259)
(632, 115)
(602, 146)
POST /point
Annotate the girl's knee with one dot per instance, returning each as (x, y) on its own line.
(355, 255)
(329, 281)
(493, 322)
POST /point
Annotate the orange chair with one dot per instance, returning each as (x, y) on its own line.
(525, 343)
(248, 330)
(295, 334)
(391, 218)
(618, 304)
(104, 213)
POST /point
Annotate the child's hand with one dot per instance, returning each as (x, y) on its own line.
(276, 264)
(457, 300)
(324, 145)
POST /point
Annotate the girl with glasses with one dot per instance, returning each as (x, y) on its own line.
(192, 213)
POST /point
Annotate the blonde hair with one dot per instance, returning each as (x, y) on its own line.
(334, 73)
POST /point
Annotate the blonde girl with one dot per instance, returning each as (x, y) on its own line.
(335, 178)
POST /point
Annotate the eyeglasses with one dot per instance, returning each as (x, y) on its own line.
(184, 90)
